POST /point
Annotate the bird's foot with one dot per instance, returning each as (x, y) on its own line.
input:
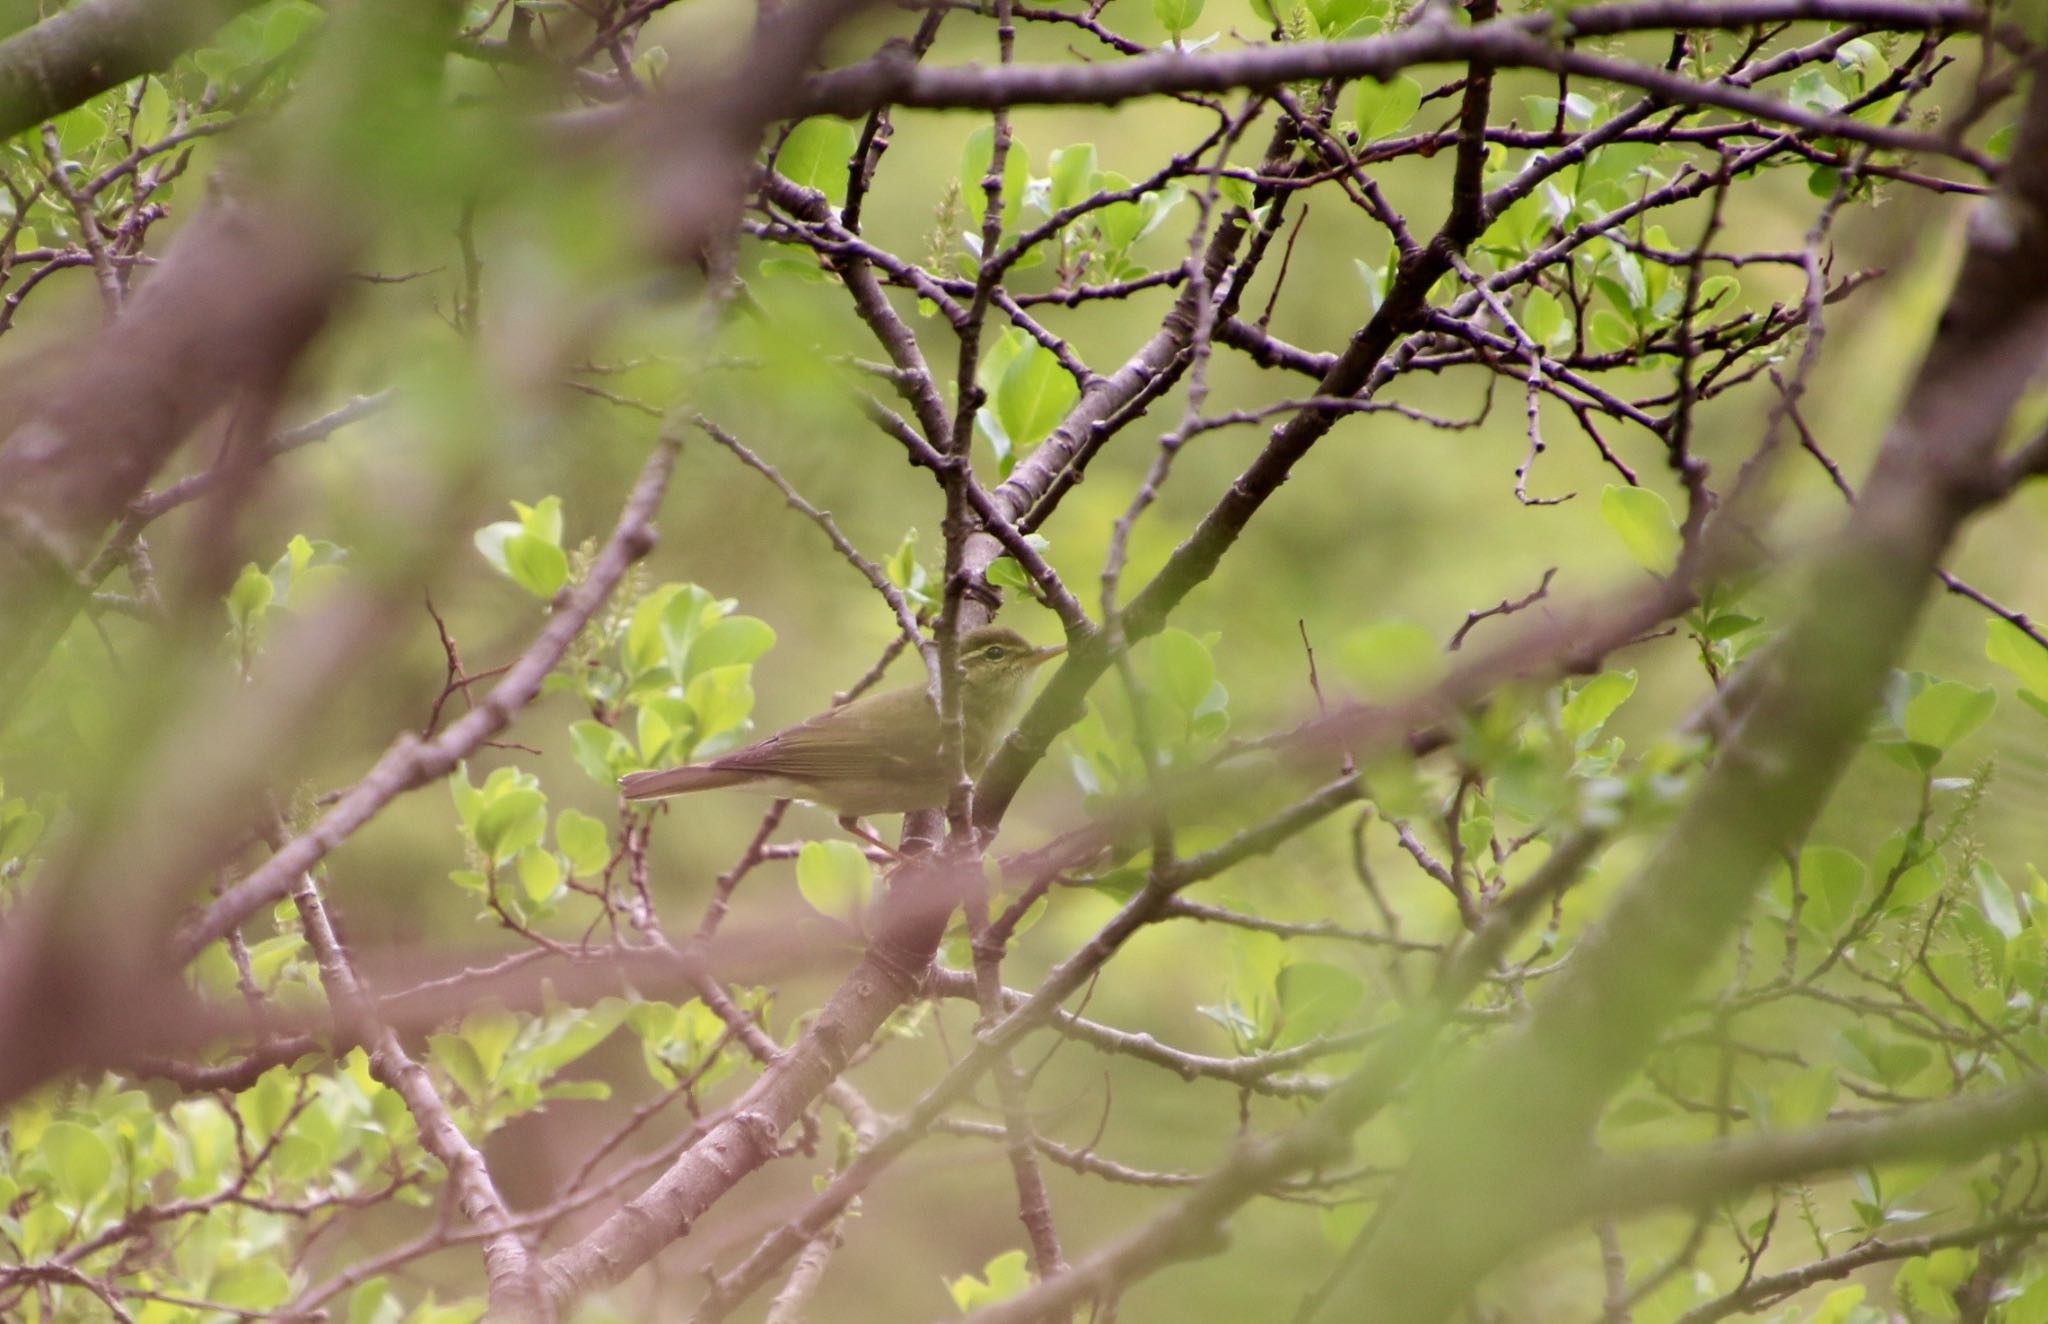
(867, 834)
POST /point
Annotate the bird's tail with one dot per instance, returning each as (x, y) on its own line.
(676, 781)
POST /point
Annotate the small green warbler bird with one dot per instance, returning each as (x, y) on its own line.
(880, 754)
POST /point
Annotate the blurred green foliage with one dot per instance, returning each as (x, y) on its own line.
(534, 347)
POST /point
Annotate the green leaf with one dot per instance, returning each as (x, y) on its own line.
(665, 622)
(1995, 898)
(974, 164)
(543, 520)
(722, 698)
(1120, 222)
(1182, 668)
(1889, 1062)
(1609, 332)
(1727, 625)
(1176, 16)
(652, 731)
(511, 822)
(455, 1056)
(539, 567)
(367, 1304)
(1627, 283)
(1719, 293)
(153, 115)
(1384, 109)
(489, 1031)
(1543, 318)
(1375, 281)
(1833, 880)
(1837, 1306)
(1335, 18)
(806, 269)
(1588, 710)
(456, 1312)
(905, 572)
(528, 549)
(1643, 520)
(732, 642)
(490, 541)
(2030, 1306)
(664, 719)
(1947, 711)
(1034, 394)
(584, 841)
(540, 873)
(1073, 170)
(285, 26)
(1003, 1277)
(80, 1162)
(817, 154)
(836, 878)
(1812, 91)
(574, 1031)
(2011, 647)
(1863, 63)
(250, 596)
(1607, 174)
(602, 751)
(1928, 1284)
(19, 835)
(254, 1284)
(1004, 572)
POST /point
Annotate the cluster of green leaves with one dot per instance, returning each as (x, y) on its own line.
(1923, 717)
(1095, 244)
(1325, 20)
(1275, 998)
(1608, 296)
(202, 91)
(1003, 1277)
(1858, 67)
(685, 1040)
(528, 550)
(75, 1161)
(293, 582)
(675, 668)
(503, 823)
(1534, 761)
(504, 1065)
(248, 43)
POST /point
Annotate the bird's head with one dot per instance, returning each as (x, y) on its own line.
(995, 662)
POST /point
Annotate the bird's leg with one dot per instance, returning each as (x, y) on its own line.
(852, 824)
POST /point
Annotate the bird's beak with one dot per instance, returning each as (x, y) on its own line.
(1047, 654)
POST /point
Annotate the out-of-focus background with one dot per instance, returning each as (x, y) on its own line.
(495, 272)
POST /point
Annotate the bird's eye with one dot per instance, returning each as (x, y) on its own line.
(994, 652)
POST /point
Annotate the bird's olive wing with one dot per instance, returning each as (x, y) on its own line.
(888, 735)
